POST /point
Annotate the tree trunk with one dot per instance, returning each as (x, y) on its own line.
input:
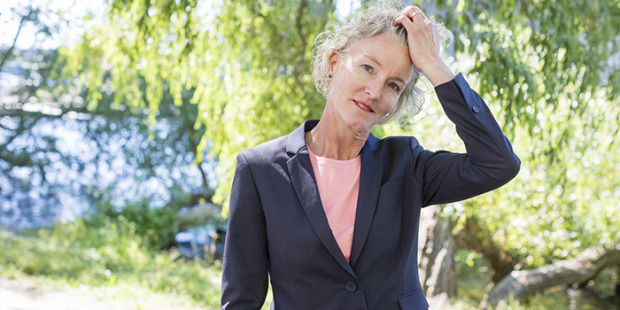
(580, 269)
(475, 238)
(618, 281)
(436, 254)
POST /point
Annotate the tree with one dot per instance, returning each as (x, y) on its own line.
(118, 161)
(578, 270)
(245, 61)
(27, 73)
(544, 67)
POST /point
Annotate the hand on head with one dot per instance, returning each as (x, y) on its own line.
(424, 44)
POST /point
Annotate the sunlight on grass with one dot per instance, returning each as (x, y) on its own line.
(108, 261)
(111, 262)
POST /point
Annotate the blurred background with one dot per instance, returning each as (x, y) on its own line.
(120, 122)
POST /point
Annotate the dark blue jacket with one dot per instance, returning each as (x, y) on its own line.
(278, 231)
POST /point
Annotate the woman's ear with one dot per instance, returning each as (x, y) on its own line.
(332, 60)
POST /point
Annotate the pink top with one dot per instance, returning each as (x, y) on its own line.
(338, 182)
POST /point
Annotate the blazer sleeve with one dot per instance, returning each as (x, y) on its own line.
(246, 262)
(489, 162)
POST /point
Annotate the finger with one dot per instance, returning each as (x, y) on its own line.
(402, 20)
(407, 9)
(416, 14)
(410, 26)
(410, 10)
(406, 13)
(418, 17)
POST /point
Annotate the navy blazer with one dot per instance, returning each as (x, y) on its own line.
(277, 228)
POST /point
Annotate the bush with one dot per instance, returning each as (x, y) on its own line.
(110, 253)
(155, 226)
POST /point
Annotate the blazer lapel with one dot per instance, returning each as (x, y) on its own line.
(370, 183)
(302, 178)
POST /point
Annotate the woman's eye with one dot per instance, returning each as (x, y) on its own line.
(394, 86)
(367, 68)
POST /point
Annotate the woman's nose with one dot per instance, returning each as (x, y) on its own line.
(373, 89)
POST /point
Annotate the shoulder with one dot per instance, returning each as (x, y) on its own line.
(394, 143)
(282, 148)
(402, 150)
(265, 152)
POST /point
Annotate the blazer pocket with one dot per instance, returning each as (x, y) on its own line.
(413, 300)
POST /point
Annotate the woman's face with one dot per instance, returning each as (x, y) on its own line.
(368, 80)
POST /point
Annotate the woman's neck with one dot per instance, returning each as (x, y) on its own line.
(327, 140)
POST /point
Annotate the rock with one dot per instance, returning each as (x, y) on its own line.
(197, 242)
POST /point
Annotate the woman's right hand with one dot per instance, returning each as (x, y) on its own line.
(424, 48)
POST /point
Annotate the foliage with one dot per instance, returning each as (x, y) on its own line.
(545, 68)
(473, 278)
(555, 210)
(245, 61)
(39, 19)
(558, 107)
(29, 152)
(248, 62)
(102, 158)
(549, 211)
(157, 226)
(52, 148)
(529, 55)
(109, 254)
(110, 258)
(160, 176)
(54, 152)
(526, 59)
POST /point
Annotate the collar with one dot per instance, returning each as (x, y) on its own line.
(296, 141)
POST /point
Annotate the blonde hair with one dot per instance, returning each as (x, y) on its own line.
(371, 21)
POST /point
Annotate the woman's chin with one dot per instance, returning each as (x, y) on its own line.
(361, 128)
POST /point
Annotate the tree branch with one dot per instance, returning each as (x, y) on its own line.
(303, 40)
(8, 52)
(475, 238)
(580, 269)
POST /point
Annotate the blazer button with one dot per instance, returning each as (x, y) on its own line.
(476, 109)
(350, 286)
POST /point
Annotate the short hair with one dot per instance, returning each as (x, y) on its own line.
(371, 21)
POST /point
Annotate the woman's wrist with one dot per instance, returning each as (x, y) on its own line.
(438, 73)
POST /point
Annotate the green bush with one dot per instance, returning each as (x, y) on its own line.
(155, 226)
(107, 254)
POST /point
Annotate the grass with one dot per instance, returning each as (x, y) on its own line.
(109, 260)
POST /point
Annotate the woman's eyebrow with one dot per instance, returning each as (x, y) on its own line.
(373, 59)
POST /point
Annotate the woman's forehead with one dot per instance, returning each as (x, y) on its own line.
(385, 51)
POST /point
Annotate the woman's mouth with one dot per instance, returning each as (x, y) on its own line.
(364, 106)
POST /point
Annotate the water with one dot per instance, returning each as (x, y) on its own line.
(72, 162)
(74, 165)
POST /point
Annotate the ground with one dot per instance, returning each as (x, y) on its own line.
(29, 294)
(24, 294)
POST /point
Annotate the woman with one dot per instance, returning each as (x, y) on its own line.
(329, 213)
